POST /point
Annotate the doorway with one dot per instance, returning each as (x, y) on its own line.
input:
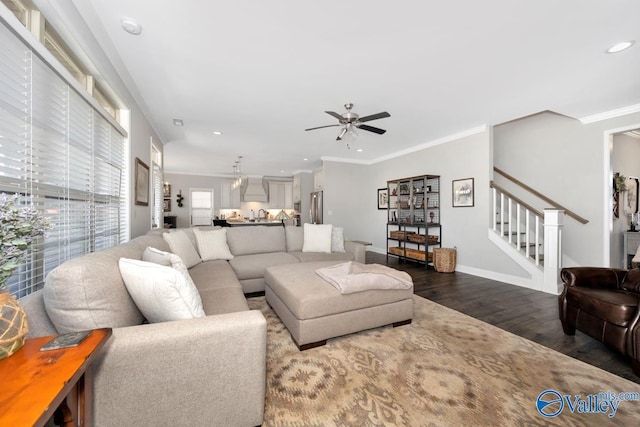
(624, 152)
(201, 206)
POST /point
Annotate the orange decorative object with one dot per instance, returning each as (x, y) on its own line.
(38, 384)
(13, 325)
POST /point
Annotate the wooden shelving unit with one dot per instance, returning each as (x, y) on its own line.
(413, 218)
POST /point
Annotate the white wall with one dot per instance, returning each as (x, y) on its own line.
(140, 136)
(625, 158)
(351, 197)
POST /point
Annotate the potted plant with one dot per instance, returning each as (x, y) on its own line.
(620, 183)
(20, 227)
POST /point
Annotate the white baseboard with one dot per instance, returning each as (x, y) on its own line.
(487, 274)
(500, 277)
(381, 251)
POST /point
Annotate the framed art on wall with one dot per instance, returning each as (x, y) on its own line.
(167, 205)
(631, 196)
(462, 195)
(142, 183)
(383, 198)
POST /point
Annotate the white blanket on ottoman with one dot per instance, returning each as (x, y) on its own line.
(350, 277)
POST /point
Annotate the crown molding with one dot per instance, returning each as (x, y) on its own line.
(345, 160)
(610, 114)
(439, 141)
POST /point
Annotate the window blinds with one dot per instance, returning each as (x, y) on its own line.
(158, 206)
(66, 159)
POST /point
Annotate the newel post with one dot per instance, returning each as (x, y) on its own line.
(553, 222)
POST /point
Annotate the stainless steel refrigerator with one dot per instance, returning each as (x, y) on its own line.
(316, 208)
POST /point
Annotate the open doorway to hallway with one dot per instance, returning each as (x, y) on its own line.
(625, 169)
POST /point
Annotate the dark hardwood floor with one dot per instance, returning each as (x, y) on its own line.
(524, 312)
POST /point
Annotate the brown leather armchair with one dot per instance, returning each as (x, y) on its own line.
(603, 303)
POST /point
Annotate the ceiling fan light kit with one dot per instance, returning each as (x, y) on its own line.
(351, 121)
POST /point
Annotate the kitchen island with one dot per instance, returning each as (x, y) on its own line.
(239, 223)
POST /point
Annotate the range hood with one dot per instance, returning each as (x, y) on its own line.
(254, 191)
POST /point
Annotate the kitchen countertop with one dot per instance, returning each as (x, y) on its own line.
(268, 222)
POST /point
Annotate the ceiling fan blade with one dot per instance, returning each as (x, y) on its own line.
(372, 129)
(334, 114)
(374, 117)
(320, 127)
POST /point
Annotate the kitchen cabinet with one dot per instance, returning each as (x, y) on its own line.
(280, 195)
(318, 179)
(229, 196)
(297, 188)
(413, 218)
(288, 195)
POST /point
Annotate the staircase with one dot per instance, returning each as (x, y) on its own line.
(530, 237)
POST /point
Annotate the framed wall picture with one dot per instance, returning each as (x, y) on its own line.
(383, 198)
(166, 190)
(167, 205)
(462, 195)
(631, 196)
(142, 183)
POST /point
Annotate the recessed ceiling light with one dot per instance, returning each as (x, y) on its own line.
(619, 47)
(282, 171)
(359, 150)
(305, 159)
(178, 122)
(131, 26)
(217, 132)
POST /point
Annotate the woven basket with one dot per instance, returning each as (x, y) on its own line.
(13, 325)
(416, 238)
(419, 255)
(400, 235)
(444, 260)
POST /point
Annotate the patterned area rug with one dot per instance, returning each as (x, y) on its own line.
(444, 369)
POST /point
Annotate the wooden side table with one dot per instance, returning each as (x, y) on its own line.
(36, 384)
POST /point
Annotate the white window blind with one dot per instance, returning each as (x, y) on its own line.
(158, 192)
(63, 156)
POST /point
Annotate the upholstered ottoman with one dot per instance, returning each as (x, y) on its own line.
(314, 311)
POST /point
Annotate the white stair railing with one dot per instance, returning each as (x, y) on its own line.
(533, 235)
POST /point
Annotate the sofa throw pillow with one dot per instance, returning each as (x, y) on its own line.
(181, 245)
(157, 256)
(213, 244)
(337, 239)
(161, 293)
(317, 238)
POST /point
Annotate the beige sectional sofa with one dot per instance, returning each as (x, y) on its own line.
(205, 371)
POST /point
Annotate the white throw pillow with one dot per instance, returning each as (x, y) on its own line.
(161, 293)
(168, 259)
(337, 239)
(157, 256)
(213, 244)
(317, 238)
(181, 245)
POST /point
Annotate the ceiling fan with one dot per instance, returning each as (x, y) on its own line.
(351, 121)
